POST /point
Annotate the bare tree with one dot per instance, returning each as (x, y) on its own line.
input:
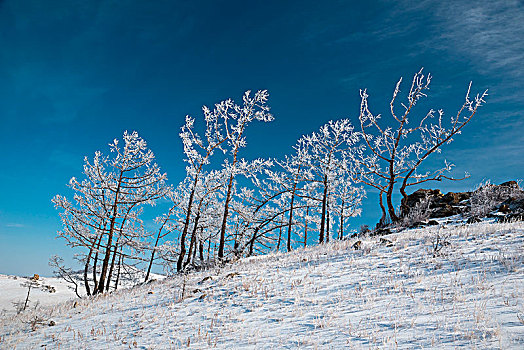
(65, 273)
(395, 152)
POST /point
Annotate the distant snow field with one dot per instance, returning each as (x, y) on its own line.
(464, 289)
(12, 291)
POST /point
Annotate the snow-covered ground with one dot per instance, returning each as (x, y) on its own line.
(50, 291)
(470, 294)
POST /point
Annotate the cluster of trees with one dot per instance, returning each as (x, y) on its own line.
(229, 207)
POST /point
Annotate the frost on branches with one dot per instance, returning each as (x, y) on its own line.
(210, 187)
(328, 162)
(227, 206)
(104, 217)
(396, 149)
(236, 120)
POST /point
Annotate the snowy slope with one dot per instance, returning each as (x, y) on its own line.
(470, 295)
(50, 291)
(12, 291)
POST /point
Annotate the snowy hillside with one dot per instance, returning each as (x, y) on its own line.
(397, 291)
(50, 291)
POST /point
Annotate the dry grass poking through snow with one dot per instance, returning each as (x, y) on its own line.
(469, 293)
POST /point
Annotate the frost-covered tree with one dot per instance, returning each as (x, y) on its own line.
(261, 210)
(198, 152)
(176, 199)
(346, 200)
(225, 131)
(236, 120)
(287, 182)
(395, 150)
(328, 153)
(204, 222)
(104, 217)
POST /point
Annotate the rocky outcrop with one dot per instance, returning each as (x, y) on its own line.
(505, 201)
(513, 208)
(436, 204)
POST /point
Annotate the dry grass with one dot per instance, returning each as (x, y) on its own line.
(470, 295)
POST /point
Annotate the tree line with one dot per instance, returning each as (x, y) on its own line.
(229, 207)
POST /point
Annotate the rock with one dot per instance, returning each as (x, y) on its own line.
(232, 274)
(513, 205)
(439, 205)
(205, 279)
(444, 210)
(416, 197)
(473, 220)
(503, 202)
(418, 224)
(512, 208)
(504, 208)
(386, 242)
(510, 184)
(49, 289)
(454, 198)
(381, 232)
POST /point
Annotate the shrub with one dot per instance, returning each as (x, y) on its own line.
(488, 197)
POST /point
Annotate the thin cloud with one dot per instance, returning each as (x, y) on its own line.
(14, 225)
(491, 32)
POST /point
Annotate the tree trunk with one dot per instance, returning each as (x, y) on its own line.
(110, 275)
(201, 249)
(105, 263)
(95, 261)
(153, 255)
(186, 226)
(305, 226)
(252, 242)
(391, 208)
(86, 269)
(194, 252)
(224, 220)
(193, 241)
(327, 225)
(120, 261)
(384, 217)
(290, 222)
(323, 216)
(403, 207)
(279, 238)
(341, 232)
(209, 250)
(236, 242)
(27, 297)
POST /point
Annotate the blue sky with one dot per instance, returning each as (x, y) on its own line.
(75, 74)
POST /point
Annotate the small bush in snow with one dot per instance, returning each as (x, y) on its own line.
(420, 212)
(487, 197)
